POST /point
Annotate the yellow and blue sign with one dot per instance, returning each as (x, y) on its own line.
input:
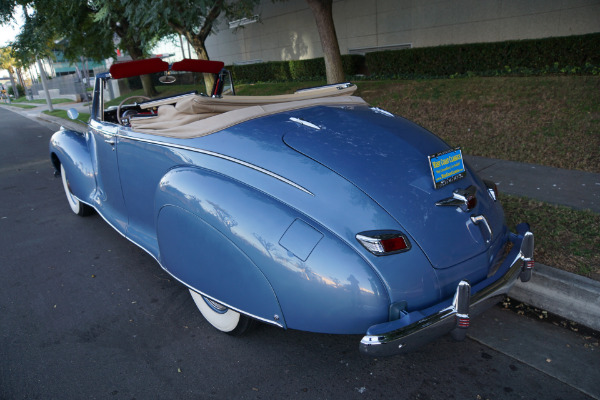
(446, 167)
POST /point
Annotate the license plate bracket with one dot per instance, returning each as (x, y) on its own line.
(446, 167)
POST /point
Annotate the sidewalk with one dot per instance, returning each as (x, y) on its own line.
(575, 189)
(37, 112)
(562, 293)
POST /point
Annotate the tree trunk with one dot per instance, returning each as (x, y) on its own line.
(182, 49)
(198, 39)
(136, 53)
(322, 10)
(45, 85)
(200, 49)
(20, 78)
(13, 84)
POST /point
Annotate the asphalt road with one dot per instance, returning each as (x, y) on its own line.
(85, 314)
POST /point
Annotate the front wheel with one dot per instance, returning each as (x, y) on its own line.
(221, 317)
(76, 206)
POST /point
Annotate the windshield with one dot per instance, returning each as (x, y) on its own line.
(129, 93)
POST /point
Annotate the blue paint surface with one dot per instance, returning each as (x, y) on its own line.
(263, 215)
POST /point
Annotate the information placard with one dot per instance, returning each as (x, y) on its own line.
(446, 167)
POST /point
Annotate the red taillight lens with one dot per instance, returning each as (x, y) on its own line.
(471, 202)
(394, 244)
(384, 242)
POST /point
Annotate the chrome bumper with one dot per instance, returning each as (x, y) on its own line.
(454, 314)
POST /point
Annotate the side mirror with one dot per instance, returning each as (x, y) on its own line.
(72, 113)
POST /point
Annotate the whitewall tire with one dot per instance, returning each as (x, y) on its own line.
(76, 206)
(222, 318)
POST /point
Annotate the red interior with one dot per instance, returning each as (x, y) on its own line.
(210, 67)
(151, 65)
(138, 67)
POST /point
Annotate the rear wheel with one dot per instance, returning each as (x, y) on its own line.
(76, 206)
(221, 317)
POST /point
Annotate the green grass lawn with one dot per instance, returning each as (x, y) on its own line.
(25, 106)
(23, 99)
(552, 121)
(82, 119)
(564, 238)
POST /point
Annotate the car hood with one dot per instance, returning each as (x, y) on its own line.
(385, 156)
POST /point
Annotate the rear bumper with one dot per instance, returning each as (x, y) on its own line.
(453, 315)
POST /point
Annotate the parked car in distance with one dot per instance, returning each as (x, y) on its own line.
(311, 211)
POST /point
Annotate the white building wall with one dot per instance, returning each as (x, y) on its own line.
(288, 30)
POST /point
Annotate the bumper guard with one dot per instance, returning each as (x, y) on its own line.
(454, 316)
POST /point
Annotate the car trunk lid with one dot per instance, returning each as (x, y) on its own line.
(386, 157)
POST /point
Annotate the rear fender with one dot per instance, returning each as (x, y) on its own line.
(70, 149)
(261, 257)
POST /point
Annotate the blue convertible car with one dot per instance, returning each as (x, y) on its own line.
(309, 211)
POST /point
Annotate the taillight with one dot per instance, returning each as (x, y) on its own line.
(492, 189)
(383, 243)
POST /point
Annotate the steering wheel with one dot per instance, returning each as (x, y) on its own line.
(124, 101)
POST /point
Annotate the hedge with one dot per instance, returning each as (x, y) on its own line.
(580, 53)
(570, 54)
(293, 70)
(19, 89)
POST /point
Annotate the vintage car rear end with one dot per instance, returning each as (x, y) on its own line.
(312, 211)
(448, 247)
(372, 246)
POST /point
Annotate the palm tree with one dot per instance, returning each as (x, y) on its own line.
(8, 62)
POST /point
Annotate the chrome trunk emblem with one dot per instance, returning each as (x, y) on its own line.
(463, 198)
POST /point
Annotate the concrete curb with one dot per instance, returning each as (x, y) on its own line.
(67, 124)
(562, 293)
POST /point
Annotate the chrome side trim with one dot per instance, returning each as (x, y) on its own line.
(103, 129)
(223, 157)
(382, 112)
(305, 123)
(174, 277)
(338, 86)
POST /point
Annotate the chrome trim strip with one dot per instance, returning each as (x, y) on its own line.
(174, 277)
(338, 86)
(381, 111)
(481, 218)
(102, 128)
(221, 156)
(305, 123)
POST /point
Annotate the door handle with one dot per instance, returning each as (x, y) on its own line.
(110, 139)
